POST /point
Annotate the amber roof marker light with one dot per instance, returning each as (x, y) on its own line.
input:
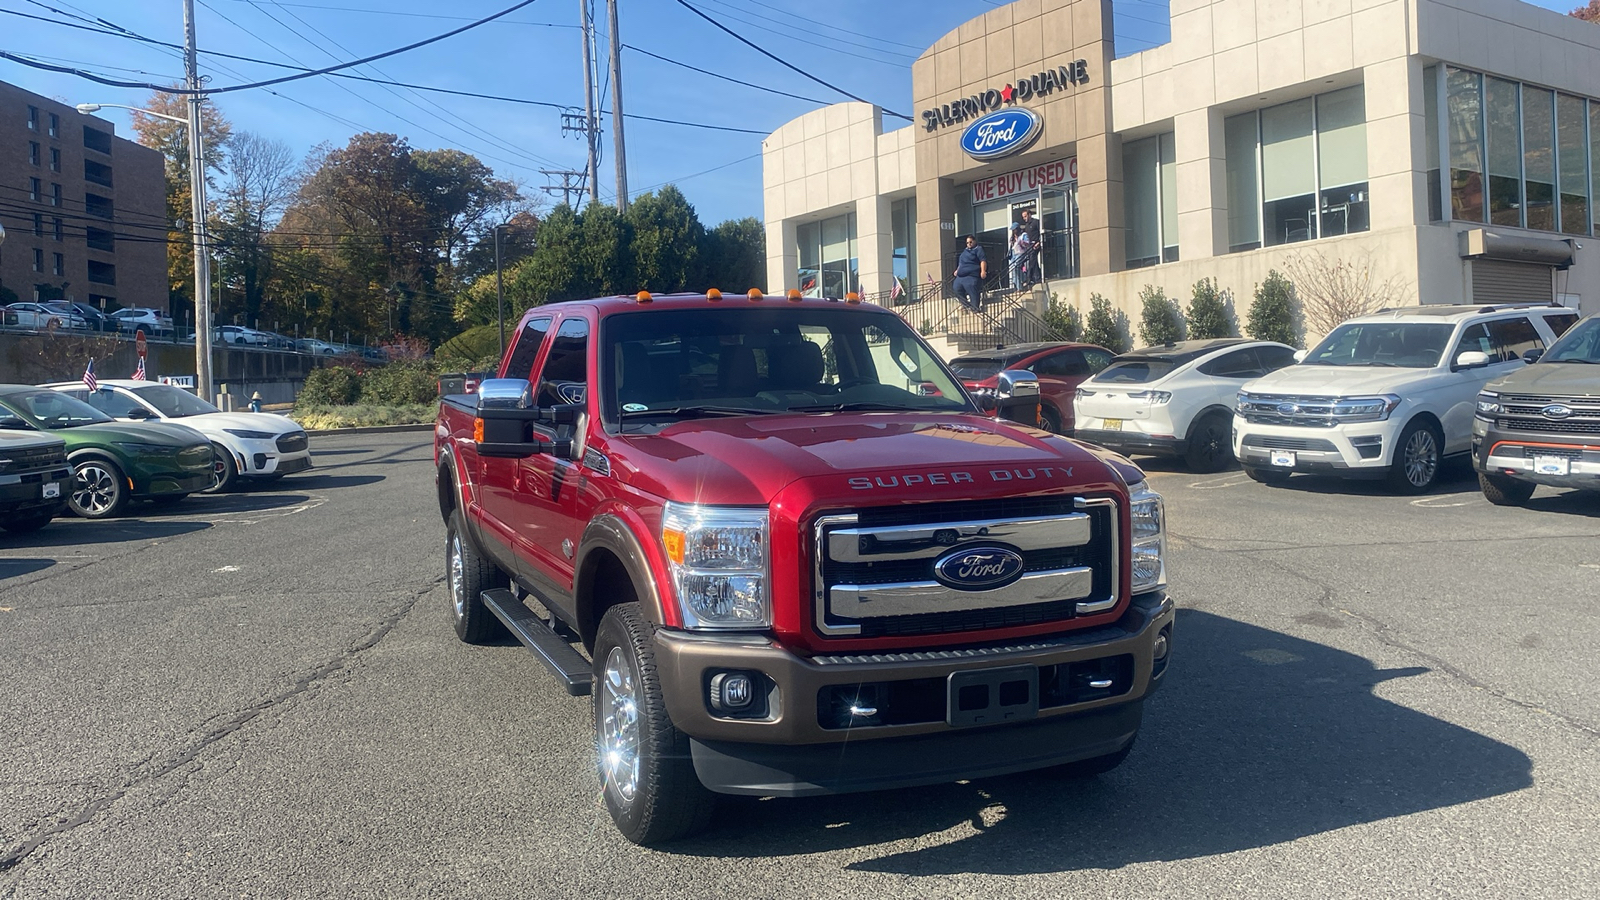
(852, 298)
(756, 295)
(795, 296)
(643, 297)
(714, 295)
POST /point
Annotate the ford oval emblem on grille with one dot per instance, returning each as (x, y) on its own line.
(1288, 409)
(1556, 411)
(978, 568)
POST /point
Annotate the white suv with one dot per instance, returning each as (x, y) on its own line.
(1387, 395)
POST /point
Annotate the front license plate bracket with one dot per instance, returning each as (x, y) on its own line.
(1551, 465)
(1284, 458)
(992, 696)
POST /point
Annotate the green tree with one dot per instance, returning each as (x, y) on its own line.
(606, 255)
(172, 140)
(1101, 326)
(734, 255)
(666, 237)
(1272, 315)
(252, 197)
(1062, 320)
(1160, 320)
(1208, 311)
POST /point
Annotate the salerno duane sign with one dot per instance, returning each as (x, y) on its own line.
(1041, 84)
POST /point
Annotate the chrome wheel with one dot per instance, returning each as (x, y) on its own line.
(1421, 458)
(97, 491)
(458, 587)
(619, 727)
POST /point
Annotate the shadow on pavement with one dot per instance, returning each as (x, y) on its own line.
(1257, 738)
(69, 530)
(217, 504)
(1455, 475)
(1572, 503)
(11, 568)
(319, 482)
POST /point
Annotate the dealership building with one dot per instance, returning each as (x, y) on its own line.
(1451, 147)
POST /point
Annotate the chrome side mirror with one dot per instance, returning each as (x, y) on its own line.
(1016, 384)
(505, 393)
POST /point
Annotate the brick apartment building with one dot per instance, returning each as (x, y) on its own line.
(84, 210)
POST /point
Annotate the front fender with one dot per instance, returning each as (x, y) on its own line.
(618, 534)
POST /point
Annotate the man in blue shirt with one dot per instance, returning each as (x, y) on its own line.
(971, 269)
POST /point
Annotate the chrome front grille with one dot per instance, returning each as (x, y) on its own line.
(23, 460)
(1289, 409)
(874, 568)
(1271, 442)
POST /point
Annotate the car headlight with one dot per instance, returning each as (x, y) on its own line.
(143, 449)
(1488, 405)
(1364, 409)
(1149, 516)
(250, 435)
(1156, 398)
(719, 562)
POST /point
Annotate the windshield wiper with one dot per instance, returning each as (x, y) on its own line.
(692, 411)
(1587, 362)
(865, 406)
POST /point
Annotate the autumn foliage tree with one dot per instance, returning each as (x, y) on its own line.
(1589, 12)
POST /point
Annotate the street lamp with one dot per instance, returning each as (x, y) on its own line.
(499, 289)
(202, 263)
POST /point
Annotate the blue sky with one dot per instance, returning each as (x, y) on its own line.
(864, 47)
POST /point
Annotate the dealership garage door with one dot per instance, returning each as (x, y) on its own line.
(1499, 281)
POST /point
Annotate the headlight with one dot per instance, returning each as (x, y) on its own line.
(1156, 398)
(1239, 401)
(250, 435)
(1364, 409)
(1488, 405)
(143, 449)
(1149, 538)
(719, 562)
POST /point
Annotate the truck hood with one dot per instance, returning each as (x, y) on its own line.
(1551, 379)
(748, 461)
(1339, 381)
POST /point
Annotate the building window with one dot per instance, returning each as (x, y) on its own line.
(33, 118)
(1594, 161)
(55, 159)
(102, 239)
(35, 189)
(55, 195)
(827, 253)
(98, 141)
(1464, 107)
(903, 235)
(55, 125)
(1149, 173)
(97, 173)
(102, 273)
(1539, 157)
(58, 229)
(1503, 132)
(59, 266)
(38, 260)
(1572, 151)
(96, 205)
(1430, 143)
(1306, 161)
(38, 224)
(33, 152)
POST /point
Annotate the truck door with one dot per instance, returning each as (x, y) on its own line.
(495, 478)
(547, 489)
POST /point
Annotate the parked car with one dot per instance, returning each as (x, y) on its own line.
(254, 446)
(314, 346)
(1060, 367)
(37, 315)
(114, 462)
(152, 321)
(238, 334)
(34, 476)
(278, 341)
(68, 312)
(1388, 395)
(93, 317)
(1541, 424)
(1174, 400)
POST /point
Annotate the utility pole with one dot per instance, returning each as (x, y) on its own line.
(572, 183)
(197, 197)
(591, 119)
(616, 108)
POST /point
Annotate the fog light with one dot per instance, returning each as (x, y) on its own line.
(732, 691)
(261, 460)
(1158, 651)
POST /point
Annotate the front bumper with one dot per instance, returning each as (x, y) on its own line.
(1355, 450)
(262, 459)
(22, 493)
(1126, 442)
(1519, 455)
(796, 749)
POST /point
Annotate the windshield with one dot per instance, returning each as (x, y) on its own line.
(1580, 343)
(53, 409)
(977, 368)
(1409, 345)
(172, 402)
(1137, 371)
(721, 361)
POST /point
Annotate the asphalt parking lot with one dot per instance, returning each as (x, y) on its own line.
(259, 695)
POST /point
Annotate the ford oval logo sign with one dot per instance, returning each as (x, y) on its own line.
(1001, 133)
(978, 568)
(1556, 411)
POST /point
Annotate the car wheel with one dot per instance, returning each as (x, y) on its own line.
(100, 490)
(1088, 768)
(1267, 476)
(225, 472)
(26, 525)
(1050, 419)
(646, 776)
(469, 574)
(1416, 459)
(1210, 445)
(1503, 491)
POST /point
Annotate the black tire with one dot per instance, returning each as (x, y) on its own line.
(1210, 444)
(655, 797)
(1503, 491)
(1267, 476)
(468, 574)
(99, 489)
(1099, 765)
(1050, 420)
(1417, 456)
(29, 524)
(225, 470)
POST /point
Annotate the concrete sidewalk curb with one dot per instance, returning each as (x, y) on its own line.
(374, 429)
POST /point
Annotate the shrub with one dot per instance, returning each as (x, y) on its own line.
(361, 415)
(1101, 326)
(401, 383)
(1208, 311)
(1160, 320)
(1272, 315)
(1062, 320)
(330, 386)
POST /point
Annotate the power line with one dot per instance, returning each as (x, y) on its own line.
(792, 36)
(787, 65)
(721, 77)
(821, 24)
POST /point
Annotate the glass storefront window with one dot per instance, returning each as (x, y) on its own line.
(1342, 162)
(809, 238)
(1464, 108)
(1504, 135)
(1539, 157)
(1244, 182)
(1288, 174)
(1594, 160)
(827, 257)
(1150, 197)
(1430, 125)
(903, 234)
(1573, 161)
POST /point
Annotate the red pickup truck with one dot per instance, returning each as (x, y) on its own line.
(789, 556)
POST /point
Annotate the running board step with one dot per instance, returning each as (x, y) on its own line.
(568, 665)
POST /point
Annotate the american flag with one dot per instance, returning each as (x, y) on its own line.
(138, 374)
(89, 381)
(898, 290)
